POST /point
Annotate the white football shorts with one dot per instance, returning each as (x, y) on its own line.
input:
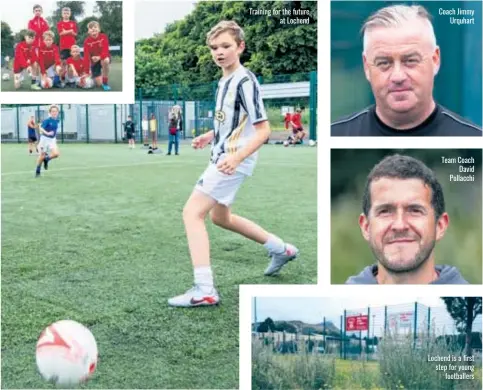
(47, 144)
(219, 186)
(51, 72)
(73, 79)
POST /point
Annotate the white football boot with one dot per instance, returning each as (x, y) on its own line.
(280, 259)
(195, 297)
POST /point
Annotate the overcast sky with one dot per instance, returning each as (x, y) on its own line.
(153, 16)
(18, 15)
(312, 310)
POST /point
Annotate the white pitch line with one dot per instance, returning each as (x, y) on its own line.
(179, 162)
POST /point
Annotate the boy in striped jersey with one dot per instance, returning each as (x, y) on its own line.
(240, 129)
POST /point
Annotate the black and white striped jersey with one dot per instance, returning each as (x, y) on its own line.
(239, 106)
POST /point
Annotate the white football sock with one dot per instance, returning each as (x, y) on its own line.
(274, 244)
(204, 278)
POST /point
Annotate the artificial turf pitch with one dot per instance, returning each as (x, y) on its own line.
(99, 239)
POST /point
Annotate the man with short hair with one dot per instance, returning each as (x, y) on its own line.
(403, 217)
(401, 59)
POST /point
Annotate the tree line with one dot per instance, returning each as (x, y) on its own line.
(179, 55)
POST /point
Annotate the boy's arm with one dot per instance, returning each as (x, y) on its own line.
(41, 64)
(74, 30)
(87, 58)
(57, 56)
(261, 135)
(43, 131)
(60, 30)
(19, 57)
(105, 47)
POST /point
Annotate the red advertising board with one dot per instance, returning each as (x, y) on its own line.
(359, 322)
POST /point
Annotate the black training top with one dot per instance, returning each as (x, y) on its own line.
(442, 122)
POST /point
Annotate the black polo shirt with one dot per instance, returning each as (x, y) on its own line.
(442, 122)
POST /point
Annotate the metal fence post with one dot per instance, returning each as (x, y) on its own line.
(385, 320)
(415, 322)
(18, 124)
(115, 123)
(62, 123)
(368, 328)
(345, 353)
(429, 321)
(341, 335)
(140, 100)
(87, 123)
(313, 105)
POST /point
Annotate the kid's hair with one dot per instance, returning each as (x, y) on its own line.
(48, 34)
(37, 6)
(226, 26)
(54, 106)
(94, 23)
(29, 33)
(66, 9)
(74, 47)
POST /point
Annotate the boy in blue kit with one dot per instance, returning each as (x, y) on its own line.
(240, 128)
(48, 141)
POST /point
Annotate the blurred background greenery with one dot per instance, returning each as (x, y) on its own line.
(460, 247)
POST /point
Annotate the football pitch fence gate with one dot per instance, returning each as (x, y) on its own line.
(356, 334)
(105, 122)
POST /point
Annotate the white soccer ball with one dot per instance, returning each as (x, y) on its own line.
(312, 142)
(86, 82)
(66, 353)
(286, 143)
(46, 83)
(5, 77)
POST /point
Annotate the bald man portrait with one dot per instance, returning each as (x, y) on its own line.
(401, 59)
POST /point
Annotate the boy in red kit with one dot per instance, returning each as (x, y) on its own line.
(96, 55)
(76, 73)
(298, 132)
(39, 25)
(49, 62)
(67, 30)
(25, 59)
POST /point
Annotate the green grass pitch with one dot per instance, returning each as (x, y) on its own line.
(99, 239)
(115, 81)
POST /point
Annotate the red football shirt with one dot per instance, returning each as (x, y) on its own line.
(78, 65)
(95, 47)
(48, 56)
(24, 56)
(67, 40)
(297, 120)
(39, 25)
(287, 119)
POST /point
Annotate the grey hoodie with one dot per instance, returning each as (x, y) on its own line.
(447, 275)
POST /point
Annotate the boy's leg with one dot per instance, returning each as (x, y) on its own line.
(280, 252)
(194, 213)
(176, 143)
(54, 153)
(40, 160)
(105, 74)
(170, 143)
(35, 74)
